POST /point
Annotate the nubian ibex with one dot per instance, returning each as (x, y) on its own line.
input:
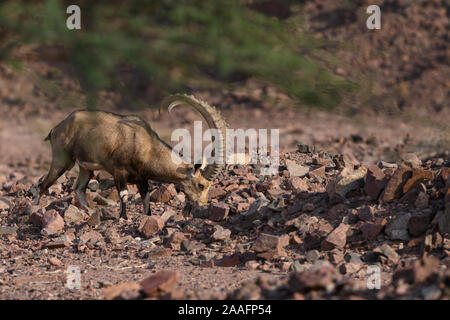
(128, 148)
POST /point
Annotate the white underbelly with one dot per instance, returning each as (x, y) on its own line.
(90, 165)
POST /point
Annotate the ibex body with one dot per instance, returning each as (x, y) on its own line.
(128, 148)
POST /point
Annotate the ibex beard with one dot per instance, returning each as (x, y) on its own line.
(128, 148)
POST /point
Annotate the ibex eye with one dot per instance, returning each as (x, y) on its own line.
(201, 187)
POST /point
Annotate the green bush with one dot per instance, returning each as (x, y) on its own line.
(172, 44)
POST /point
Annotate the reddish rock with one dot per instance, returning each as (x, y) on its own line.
(317, 173)
(229, 261)
(151, 225)
(296, 184)
(122, 291)
(375, 182)
(159, 252)
(418, 176)
(164, 193)
(174, 240)
(270, 246)
(52, 222)
(371, 230)
(337, 238)
(218, 211)
(216, 192)
(91, 236)
(160, 283)
(394, 188)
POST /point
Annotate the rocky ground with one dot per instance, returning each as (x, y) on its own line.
(312, 231)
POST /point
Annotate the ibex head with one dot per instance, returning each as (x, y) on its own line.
(200, 177)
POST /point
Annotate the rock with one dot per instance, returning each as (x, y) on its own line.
(55, 262)
(319, 279)
(397, 228)
(251, 265)
(7, 230)
(444, 222)
(411, 160)
(337, 238)
(255, 209)
(418, 176)
(418, 224)
(221, 234)
(318, 173)
(371, 230)
(160, 283)
(432, 292)
(216, 192)
(304, 148)
(375, 182)
(229, 261)
(312, 256)
(94, 185)
(349, 268)
(109, 215)
(422, 200)
(159, 252)
(164, 193)
(58, 243)
(366, 213)
(73, 215)
(296, 170)
(353, 257)
(418, 271)
(94, 219)
(150, 226)
(122, 291)
(52, 222)
(111, 236)
(91, 236)
(269, 246)
(349, 180)
(388, 252)
(101, 201)
(394, 187)
(174, 240)
(296, 184)
(4, 204)
(218, 211)
(168, 214)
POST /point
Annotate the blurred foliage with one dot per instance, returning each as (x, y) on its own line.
(172, 45)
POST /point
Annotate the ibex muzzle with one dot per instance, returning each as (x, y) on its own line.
(128, 148)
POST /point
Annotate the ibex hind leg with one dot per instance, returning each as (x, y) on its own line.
(82, 182)
(59, 165)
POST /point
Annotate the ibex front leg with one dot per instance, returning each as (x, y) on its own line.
(145, 196)
(120, 179)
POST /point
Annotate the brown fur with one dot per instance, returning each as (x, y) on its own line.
(127, 148)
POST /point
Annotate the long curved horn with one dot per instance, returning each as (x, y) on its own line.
(214, 120)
